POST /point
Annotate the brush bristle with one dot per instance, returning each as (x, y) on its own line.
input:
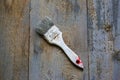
(44, 26)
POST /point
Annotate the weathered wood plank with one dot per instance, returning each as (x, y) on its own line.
(14, 39)
(116, 54)
(102, 18)
(48, 62)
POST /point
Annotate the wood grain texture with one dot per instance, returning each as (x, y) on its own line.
(116, 54)
(48, 62)
(14, 39)
(90, 28)
(103, 20)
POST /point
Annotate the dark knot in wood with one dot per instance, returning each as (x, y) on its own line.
(107, 27)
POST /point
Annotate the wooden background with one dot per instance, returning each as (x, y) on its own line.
(91, 28)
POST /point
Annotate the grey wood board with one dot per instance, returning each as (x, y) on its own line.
(103, 15)
(14, 39)
(48, 62)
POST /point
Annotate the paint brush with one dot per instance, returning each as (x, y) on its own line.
(53, 35)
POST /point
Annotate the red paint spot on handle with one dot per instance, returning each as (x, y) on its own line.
(78, 61)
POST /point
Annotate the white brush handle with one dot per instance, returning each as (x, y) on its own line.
(54, 36)
(71, 55)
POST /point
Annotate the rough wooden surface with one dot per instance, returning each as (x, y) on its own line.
(103, 27)
(91, 28)
(48, 62)
(14, 39)
(116, 23)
